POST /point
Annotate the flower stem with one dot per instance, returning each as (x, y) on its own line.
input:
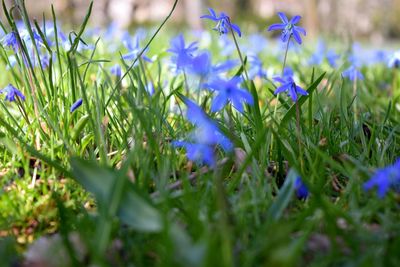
(286, 53)
(278, 95)
(299, 134)
(355, 99)
(239, 53)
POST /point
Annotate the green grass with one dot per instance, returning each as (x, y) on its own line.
(109, 174)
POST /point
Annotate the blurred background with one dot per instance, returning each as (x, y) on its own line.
(371, 20)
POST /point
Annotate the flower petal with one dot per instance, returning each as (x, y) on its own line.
(283, 17)
(295, 19)
(276, 27)
(236, 29)
(219, 102)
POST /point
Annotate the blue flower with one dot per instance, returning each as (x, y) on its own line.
(206, 131)
(11, 92)
(332, 57)
(226, 45)
(289, 28)
(229, 91)
(256, 67)
(379, 56)
(150, 88)
(10, 40)
(256, 44)
(288, 84)
(182, 55)
(352, 73)
(116, 70)
(384, 179)
(200, 153)
(318, 56)
(201, 65)
(76, 105)
(133, 48)
(224, 24)
(394, 60)
(301, 189)
(204, 138)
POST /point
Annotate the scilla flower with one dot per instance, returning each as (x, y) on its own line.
(301, 189)
(288, 28)
(76, 105)
(288, 84)
(11, 92)
(229, 91)
(384, 179)
(205, 137)
(10, 40)
(116, 70)
(352, 73)
(182, 54)
(394, 60)
(224, 24)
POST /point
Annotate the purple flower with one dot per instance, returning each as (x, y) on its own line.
(76, 105)
(11, 92)
(288, 84)
(182, 55)
(288, 28)
(224, 24)
(301, 189)
(229, 91)
(384, 179)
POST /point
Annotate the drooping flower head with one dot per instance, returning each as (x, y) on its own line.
(384, 179)
(229, 91)
(10, 40)
(11, 92)
(76, 105)
(301, 189)
(224, 24)
(288, 84)
(289, 28)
